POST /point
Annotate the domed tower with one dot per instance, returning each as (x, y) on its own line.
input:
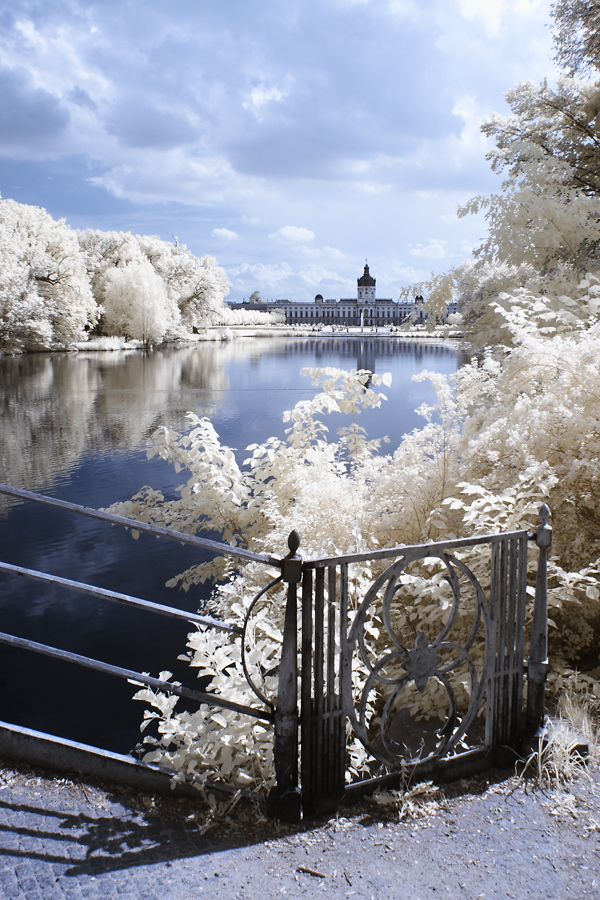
(366, 286)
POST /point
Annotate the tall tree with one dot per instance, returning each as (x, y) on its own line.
(577, 35)
(45, 296)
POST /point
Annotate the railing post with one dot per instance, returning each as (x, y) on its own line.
(284, 799)
(538, 649)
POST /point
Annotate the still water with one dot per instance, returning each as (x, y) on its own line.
(75, 426)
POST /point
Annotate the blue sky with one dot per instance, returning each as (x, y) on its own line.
(290, 139)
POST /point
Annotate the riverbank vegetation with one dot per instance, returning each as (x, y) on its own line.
(516, 427)
(62, 287)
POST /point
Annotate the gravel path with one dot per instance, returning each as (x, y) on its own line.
(63, 838)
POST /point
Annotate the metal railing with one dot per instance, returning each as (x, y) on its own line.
(312, 739)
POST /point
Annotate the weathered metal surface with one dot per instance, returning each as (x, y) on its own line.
(538, 648)
(495, 675)
(418, 664)
(400, 550)
(323, 716)
(284, 798)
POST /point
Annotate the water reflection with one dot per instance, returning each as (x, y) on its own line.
(58, 408)
(77, 426)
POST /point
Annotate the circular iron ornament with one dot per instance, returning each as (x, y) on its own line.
(419, 663)
(251, 683)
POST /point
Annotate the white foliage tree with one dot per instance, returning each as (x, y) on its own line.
(45, 296)
(194, 287)
(135, 302)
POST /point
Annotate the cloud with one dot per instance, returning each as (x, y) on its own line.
(261, 96)
(410, 275)
(270, 278)
(138, 124)
(316, 275)
(225, 234)
(490, 12)
(81, 98)
(293, 234)
(435, 249)
(29, 115)
(333, 253)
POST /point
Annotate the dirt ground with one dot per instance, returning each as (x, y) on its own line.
(497, 836)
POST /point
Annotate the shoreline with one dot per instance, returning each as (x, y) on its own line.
(225, 333)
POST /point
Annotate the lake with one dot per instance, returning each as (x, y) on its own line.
(75, 426)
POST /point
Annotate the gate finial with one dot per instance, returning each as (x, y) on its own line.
(293, 542)
(543, 533)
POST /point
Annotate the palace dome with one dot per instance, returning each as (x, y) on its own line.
(366, 280)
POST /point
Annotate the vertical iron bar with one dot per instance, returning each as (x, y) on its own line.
(492, 649)
(345, 656)
(510, 639)
(501, 649)
(320, 763)
(331, 697)
(520, 643)
(306, 724)
(331, 636)
(538, 649)
(345, 664)
(284, 798)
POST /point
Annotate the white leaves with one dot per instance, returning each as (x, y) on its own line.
(58, 283)
(45, 295)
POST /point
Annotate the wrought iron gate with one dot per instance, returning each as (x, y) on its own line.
(360, 677)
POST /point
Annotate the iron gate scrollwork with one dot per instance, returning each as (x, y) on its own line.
(419, 664)
(363, 676)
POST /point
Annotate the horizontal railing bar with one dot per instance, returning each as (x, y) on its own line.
(402, 550)
(136, 602)
(137, 677)
(156, 530)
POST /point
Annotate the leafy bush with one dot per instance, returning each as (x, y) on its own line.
(491, 451)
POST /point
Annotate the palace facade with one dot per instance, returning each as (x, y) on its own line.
(364, 309)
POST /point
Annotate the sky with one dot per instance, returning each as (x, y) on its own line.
(290, 139)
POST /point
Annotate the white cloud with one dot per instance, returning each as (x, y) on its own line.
(471, 137)
(490, 11)
(494, 13)
(302, 251)
(435, 249)
(225, 234)
(372, 187)
(261, 95)
(333, 253)
(410, 275)
(316, 275)
(268, 277)
(293, 234)
(449, 218)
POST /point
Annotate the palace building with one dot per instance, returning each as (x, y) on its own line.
(364, 309)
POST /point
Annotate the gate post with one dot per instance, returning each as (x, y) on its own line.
(538, 648)
(284, 799)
